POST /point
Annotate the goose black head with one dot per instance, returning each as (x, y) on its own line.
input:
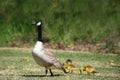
(37, 23)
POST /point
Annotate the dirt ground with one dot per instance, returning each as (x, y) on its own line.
(80, 47)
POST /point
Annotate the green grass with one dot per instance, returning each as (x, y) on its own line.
(63, 20)
(13, 68)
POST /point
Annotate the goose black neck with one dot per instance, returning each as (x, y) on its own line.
(40, 33)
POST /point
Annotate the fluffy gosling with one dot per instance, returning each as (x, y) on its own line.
(69, 67)
(89, 69)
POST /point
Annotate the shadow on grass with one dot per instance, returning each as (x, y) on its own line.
(116, 66)
(31, 75)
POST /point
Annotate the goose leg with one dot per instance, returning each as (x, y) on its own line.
(51, 72)
(46, 71)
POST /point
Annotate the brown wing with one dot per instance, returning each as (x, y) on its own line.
(53, 60)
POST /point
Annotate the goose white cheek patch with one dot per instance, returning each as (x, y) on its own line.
(39, 23)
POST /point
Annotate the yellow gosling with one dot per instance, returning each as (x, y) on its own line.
(111, 62)
(89, 69)
(69, 67)
(25, 59)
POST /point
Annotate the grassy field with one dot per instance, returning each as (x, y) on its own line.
(12, 66)
(64, 21)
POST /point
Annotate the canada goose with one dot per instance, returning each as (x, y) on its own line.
(42, 56)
